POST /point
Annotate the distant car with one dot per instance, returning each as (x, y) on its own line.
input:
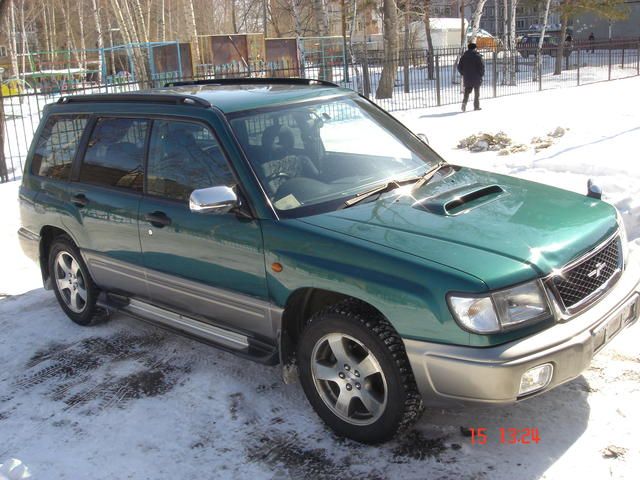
(528, 45)
(291, 221)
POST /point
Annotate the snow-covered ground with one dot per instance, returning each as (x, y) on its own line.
(127, 400)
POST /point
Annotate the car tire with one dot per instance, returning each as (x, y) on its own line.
(73, 286)
(355, 373)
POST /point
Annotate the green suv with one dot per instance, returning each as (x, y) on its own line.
(294, 222)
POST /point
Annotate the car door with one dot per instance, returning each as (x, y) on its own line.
(208, 265)
(104, 199)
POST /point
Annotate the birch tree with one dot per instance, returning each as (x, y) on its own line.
(13, 44)
(475, 19)
(191, 21)
(390, 42)
(512, 42)
(322, 30)
(545, 18)
(100, 40)
(4, 174)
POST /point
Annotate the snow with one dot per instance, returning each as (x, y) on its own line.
(127, 400)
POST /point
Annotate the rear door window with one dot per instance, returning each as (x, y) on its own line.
(115, 153)
(57, 146)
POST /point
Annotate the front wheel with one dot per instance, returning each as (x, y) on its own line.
(355, 373)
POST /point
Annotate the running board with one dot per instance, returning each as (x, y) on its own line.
(205, 331)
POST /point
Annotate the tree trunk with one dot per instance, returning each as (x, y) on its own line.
(475, 20)
(512, 43)
(322, 30)
(13, 44)
(234, 23)
(24, 45)
(100, 42)
(70, 46)
(191, 22)
(560, 50)
(405, 56)
(427, 32)
(390, 39)
(537, 69)
(45, 24)
(4, 172)
(83, 44)
(163, 23)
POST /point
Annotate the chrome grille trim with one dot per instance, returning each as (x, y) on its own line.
(591, 295)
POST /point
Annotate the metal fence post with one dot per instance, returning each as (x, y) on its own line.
(495, 73)
(438, 79)
(578, 53)
(609, 60)
(638, 59)
(622, 62)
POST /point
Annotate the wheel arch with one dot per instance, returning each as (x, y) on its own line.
(48, 234)
(301, 305)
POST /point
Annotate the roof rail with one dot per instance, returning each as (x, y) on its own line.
(175, 99)
(253, 81)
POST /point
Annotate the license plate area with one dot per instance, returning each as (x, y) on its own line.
(608, 329)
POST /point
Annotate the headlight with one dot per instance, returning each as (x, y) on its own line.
(501, 310)
(623, 235)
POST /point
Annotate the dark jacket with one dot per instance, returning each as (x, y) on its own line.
(471, 67)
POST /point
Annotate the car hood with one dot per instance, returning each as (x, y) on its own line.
(500, 229)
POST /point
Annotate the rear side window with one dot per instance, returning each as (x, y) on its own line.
(57, 146)
(115, 153)
(184, 157)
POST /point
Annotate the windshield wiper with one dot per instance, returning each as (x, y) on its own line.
(393, 184)
(429, 174)
(380, 189)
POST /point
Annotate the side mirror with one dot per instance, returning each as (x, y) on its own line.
(424, 138)
(216, 200)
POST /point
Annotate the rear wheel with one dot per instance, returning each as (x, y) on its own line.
(355, 373)
(72, 284)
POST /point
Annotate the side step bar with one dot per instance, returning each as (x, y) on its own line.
(199, 329)
(225, 339)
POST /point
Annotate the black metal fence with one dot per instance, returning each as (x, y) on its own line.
(422, 80)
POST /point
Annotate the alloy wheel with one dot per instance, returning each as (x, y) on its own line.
(349, 379)
(70, 282)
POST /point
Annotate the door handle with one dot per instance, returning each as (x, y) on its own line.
(79, 200)
(158, 219)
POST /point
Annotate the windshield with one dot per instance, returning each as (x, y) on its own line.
(311, 158)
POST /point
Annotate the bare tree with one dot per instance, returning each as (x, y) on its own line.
(4, 174)
(512, 42)
(390, 41)
(100, 40)
(193, 34)
(545, 18)
(475, 19)
(322, 30)
(13, 44)
(427, 31)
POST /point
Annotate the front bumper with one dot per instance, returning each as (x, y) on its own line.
(448, 375)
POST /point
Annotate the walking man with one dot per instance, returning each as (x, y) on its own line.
(471, 67)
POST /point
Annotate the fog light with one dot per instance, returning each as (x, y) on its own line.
(535, 378)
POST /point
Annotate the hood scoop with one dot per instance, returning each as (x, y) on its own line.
(460, 200)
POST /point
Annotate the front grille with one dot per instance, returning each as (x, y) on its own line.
(582, 280)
